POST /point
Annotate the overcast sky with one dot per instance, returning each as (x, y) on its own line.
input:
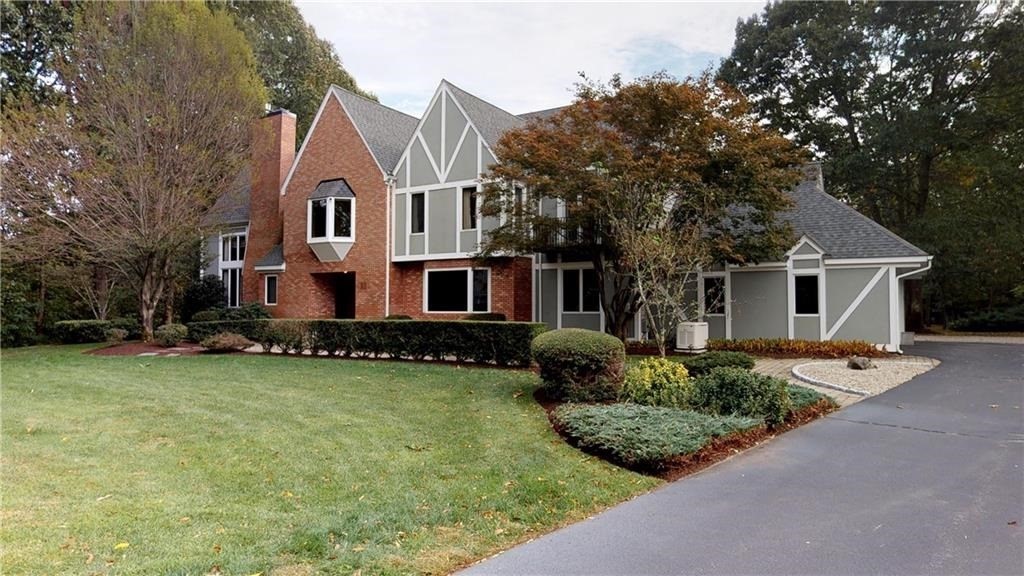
(521, 57)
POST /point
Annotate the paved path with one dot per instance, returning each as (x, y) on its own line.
(927, 478)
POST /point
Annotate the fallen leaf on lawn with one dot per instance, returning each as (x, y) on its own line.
(89, 559)
(499, 531)
(121, 545)
(184, 519)
(102, 498)
(358, 548)
(216, 548)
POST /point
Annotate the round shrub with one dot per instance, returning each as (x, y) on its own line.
(211, 315)
(708, 361)
(744, 393)
(580, 365)
(130, 325)
(226, 342)
(117, 335)
(170, 334)
(657, 382)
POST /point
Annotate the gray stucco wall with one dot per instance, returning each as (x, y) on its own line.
(441, 223)
(843, 287)
(416, 244)
(589, 320)
(807, 328)
(422, 173)
(400, 230)
(464, 167)
(806, 249)
(549, 298)
(467, 241)
(454, 123)
(431, 131)
(487, 159)
(759, 304)
(870, 321)
(400, 174)
(716, 326)
(806, 264)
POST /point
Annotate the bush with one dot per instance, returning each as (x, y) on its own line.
(580, 365)
(486, 317)
(170, 334)
(704, 363)
(398, 317)
(203, 294)
(743, 393)
(131, 326)
(657, 382)
(501, 343)
(250, 311)
(17, 314)
(1007, 320)
(117, 335)
(801, 397)
(81, 331)
(211, 315)
(643, 436)
(226, 342)
(783, 348)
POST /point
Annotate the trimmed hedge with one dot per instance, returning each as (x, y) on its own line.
(486, 317)
(706, 362)
(580, 365)
(657, 382)
(81, 331)
(744, 393)
(643, 436)
(501, 343)
(784, 348)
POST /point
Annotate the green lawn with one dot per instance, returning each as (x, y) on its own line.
(249, 464)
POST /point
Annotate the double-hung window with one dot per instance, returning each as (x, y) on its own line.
(458, 290)
(580, 292)
(418, 213)
(232, 259)
(270, 289)
(332, 219)
(469, 200)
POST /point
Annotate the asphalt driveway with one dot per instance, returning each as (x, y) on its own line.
(927, 478)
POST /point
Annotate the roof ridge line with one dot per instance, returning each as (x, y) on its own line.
(372, 101)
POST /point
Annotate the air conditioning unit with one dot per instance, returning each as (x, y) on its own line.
(692, 337)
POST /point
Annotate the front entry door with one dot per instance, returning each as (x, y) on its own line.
(345, 295)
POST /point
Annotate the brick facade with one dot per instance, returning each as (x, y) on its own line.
(511, 287)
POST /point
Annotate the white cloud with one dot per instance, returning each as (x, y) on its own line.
(518, 56)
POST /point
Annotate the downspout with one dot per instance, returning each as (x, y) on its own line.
(389, 186)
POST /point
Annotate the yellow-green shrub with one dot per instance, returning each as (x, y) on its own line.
(658, 382)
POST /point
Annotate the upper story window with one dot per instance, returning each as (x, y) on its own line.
(469, 199)
(232, 247)
(580, 292)
(332, 219)
(418, 213)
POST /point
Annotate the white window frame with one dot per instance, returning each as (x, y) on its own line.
(476, 208)
(561, 292)
(266, 291)
(704, 294)
(469, 290)
(422, 232)
(230, 266)
(330, 237)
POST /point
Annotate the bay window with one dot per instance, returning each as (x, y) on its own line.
(332, 219)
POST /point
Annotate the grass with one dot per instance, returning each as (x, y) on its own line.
(247, 464)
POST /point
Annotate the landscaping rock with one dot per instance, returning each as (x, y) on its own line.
(860, 363)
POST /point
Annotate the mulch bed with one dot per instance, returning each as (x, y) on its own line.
(717, 450)
(136, 348)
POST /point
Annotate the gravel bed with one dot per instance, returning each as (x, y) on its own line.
(889, 374)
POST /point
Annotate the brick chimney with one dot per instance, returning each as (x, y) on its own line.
(273, 152)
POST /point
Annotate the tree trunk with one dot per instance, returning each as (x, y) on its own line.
(149, 293)
(169, 304)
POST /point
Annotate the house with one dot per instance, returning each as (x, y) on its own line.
(378, 214)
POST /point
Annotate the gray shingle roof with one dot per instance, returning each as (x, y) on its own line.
(386, 130)
(838, 227)
(490, 120)
(542, 114)
(337, 188)
(232, 207)
(273, 257)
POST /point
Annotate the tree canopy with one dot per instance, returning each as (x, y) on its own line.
(688, 152)
(914, 107)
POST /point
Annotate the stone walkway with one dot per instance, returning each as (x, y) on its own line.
(783, 368)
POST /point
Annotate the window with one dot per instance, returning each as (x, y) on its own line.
(343, 217)
(714, 295)
(232, 278)
(580, 292)
(469, 208)
(806, 294)
(520, 200)
(232, 248)
(418, 210)
(458, 290)
(318, 219)
(270, 290)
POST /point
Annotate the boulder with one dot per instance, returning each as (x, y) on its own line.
(860, 363)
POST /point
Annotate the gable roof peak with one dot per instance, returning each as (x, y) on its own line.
(490, 120)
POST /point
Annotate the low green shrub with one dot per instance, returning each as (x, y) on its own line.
(501, 343)
(784, 348)
(250, 311)
(486, 317)
(643, 436)
(1010, 319)
(801, 397)
(226, 342)
(170, 334)
(117, 335)
(130, 325)
(210, 315)
(398, 317)
(657, 382)
(81, 331)
(743, 393)
(704, 363)
(580, 365)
